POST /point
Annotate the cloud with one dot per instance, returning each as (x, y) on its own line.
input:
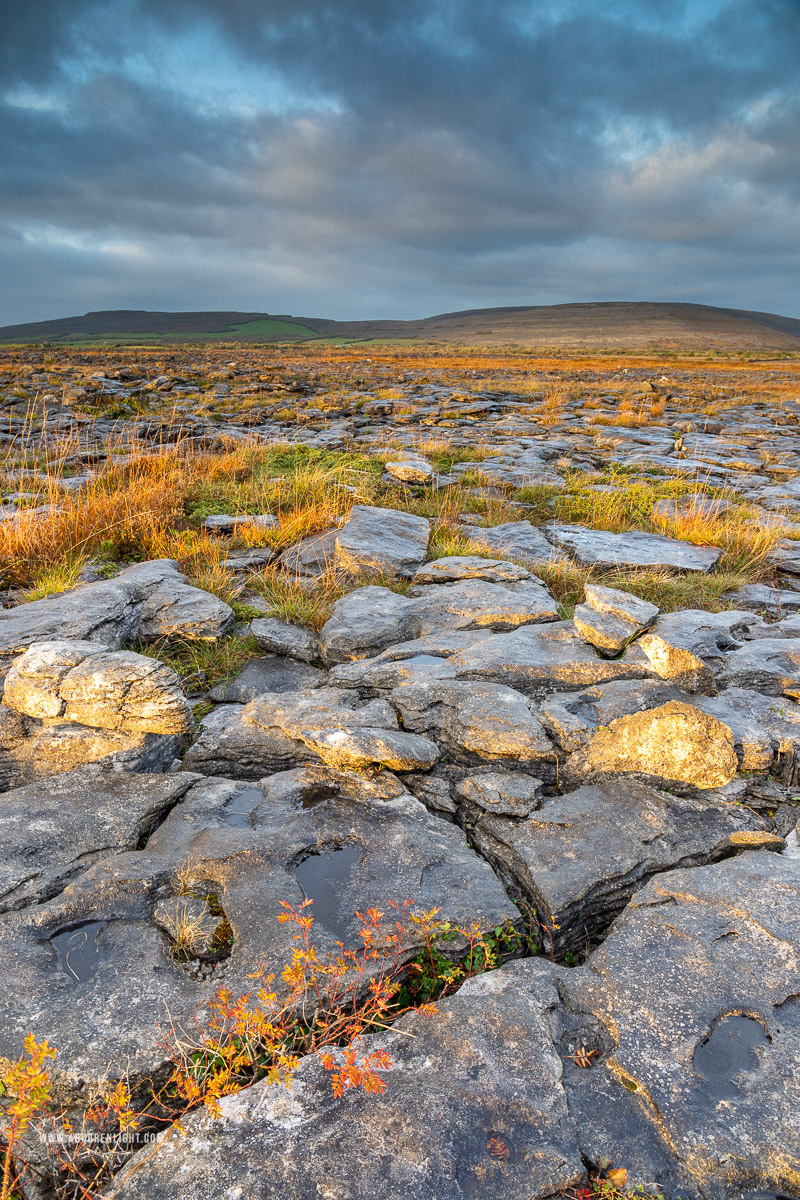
(358, 158)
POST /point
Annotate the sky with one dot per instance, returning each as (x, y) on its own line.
(377, 158)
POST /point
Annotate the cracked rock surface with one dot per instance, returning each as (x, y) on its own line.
(615, 784)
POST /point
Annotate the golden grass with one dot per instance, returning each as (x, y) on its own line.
(149, 501)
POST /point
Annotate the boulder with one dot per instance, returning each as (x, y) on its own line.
(382, 540)
(365, 621)
(674, 744)
(272, 673)
(600, 548)
(85, 684)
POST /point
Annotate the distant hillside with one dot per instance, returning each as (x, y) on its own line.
(566, 326)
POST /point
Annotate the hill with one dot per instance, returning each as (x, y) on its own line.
(569, 326)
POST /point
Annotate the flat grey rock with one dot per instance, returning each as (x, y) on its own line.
(605, 630)
(55, 828)
(768, 666)
(382, 540)
(473, 1107)
(479, 604)
(764, 600)
(691, 647)
(171, 607)
(410, 470)
(354, 748)
(692, 1005)
(32, 749)
(546, 658)
(504, 793)
(223, 523)
(766, 730)
(467, 566)
(520, 540)
(346, 849)
(599, 548)
(621, 604)
(248, 560)
(279, 637)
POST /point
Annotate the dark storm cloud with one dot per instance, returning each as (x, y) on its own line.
(359, 157)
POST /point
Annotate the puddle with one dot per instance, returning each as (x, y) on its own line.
(77, 950)
(322, 878)
(317, 793)
(729, 1051)
(240, 806)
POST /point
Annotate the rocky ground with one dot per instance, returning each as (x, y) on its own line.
(518, 641)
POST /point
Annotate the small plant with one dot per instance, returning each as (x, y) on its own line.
(327, 1004)
(28, 1083)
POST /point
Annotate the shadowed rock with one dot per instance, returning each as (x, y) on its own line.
(279, 637)
(52, 829)
(266, 734)
(580, 857)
